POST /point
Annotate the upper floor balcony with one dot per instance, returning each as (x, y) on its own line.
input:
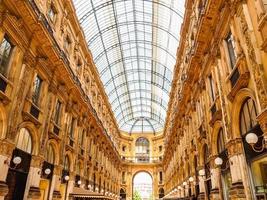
(142, 159)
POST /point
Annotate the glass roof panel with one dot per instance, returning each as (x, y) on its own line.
(134, 44)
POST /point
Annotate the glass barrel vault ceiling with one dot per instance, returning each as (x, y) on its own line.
(134, 44)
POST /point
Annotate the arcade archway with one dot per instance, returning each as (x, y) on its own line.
(142, 186)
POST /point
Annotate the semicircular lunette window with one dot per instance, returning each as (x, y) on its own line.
(134, 44)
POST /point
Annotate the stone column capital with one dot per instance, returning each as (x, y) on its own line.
(6, 147)
(57, 170)
(234, 147)
(37, 161)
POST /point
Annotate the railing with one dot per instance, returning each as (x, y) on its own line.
(141, 159)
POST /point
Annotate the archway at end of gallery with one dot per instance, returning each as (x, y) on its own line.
(142, 186)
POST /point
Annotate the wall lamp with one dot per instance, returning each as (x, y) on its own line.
(252, 139)
(66, 178)
(16, 160)
(47, 171)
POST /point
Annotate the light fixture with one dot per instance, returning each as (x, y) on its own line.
(218, 161)
(201, 172)
(79, 182)
(175, 190)
(179, 187)
(89, 187)
(252, 139)
(102, 190)
(17, 160)
(191, 179)
(96, 189)
(184, 183)
(47, 171)
(67, 178)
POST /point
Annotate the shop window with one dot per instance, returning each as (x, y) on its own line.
(36, 89)
(5, 54)
(24, 141)
(259, 172)
(50, 154)
(231, 48)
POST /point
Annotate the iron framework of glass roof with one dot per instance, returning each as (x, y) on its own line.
(134, 44)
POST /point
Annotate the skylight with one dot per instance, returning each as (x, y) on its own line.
(134, 44)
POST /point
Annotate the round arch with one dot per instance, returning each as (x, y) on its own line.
(71, 160)
(34, 136)
(240, 97)
(55, 147)
(145, 187)
(216, 128)
(201, 152)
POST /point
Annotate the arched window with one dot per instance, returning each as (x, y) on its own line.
(24, 140)
(248, 116)
(220, 141)
(161, 193)
(142, 150)
(50, 154)
(142, 146)
(66, 163)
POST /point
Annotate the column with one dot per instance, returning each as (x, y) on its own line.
(55, 184)
(238, 166)
(32, 190)
(6, 149)
(201, 179)
(215, 183)
(71, 183)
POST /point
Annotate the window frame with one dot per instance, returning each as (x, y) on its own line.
(231, 50)
(52, 8)
(243, 118)
(57, 114)
(37, 90)
(9, 57)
